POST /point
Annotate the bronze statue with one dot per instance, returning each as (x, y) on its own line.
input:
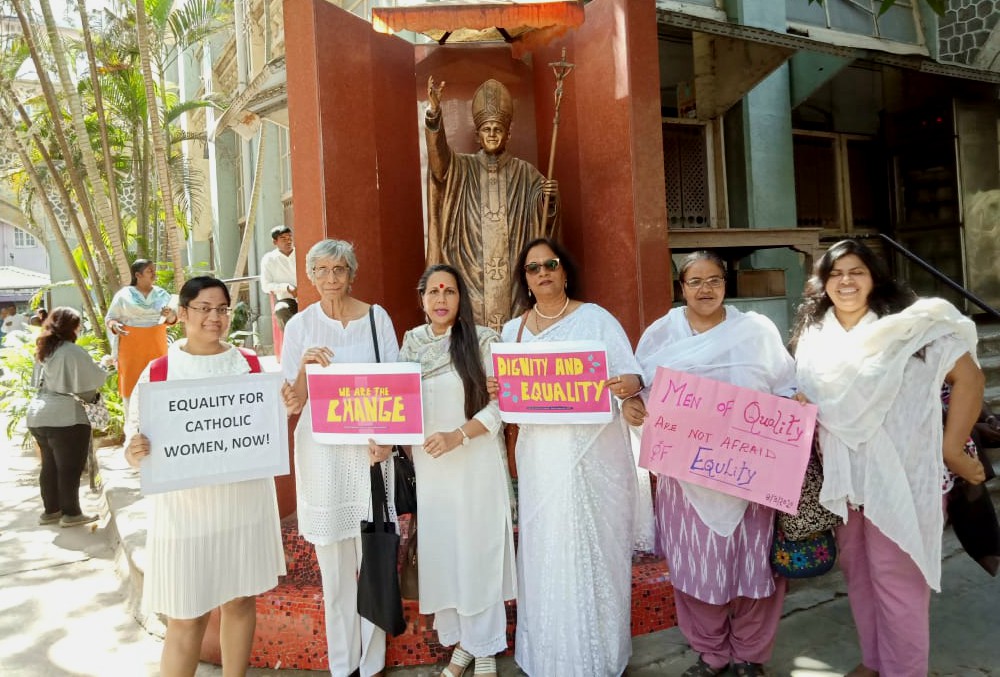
(483, 208)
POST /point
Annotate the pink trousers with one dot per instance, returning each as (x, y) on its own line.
(889, 598)
(742, 630)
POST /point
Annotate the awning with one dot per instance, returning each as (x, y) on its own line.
(20, 284)
(265, 97)
(468, 21)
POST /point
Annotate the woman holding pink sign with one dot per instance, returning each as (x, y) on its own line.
(717, 546)
(333, 483)
(466, 546)
(576, 492)
(873, 358)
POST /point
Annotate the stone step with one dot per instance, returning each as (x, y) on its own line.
(291, 632)
(992, 397)
(991, 369)
(989, 340)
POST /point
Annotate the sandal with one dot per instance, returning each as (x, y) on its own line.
(747, 669)
(461, 659)
(486, 666)
(702, 669)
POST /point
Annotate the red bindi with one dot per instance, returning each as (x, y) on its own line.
(441, 286)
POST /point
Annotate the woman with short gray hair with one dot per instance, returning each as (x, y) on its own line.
(333, 484)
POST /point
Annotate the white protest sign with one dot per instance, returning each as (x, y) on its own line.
(212, 431)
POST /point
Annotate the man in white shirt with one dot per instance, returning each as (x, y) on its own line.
(277, 274)
(12, 321)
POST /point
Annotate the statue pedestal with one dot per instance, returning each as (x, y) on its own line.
(291, 632)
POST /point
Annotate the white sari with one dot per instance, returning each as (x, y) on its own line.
(576, 498)
(880, 418)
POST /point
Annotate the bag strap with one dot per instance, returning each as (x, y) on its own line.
(158, 367)
(380, 507)
(371, 321)
(520, 330)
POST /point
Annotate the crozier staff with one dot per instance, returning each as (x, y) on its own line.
(213, 546)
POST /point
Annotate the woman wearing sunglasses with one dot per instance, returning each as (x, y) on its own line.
(717, 545)
(576, 492)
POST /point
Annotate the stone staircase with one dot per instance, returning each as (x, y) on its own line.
(989, 358)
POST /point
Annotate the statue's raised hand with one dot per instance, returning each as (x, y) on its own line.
(434, 95)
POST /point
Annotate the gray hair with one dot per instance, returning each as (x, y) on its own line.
(700, 255)
(332, 249)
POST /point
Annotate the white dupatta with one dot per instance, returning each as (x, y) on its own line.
(746, 350)
(880, 417)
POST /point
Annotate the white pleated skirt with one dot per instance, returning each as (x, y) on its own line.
(209, 545)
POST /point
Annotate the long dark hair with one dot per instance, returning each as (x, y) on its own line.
(464, 348)
(521, 277)
(137, 267)
(194, 286)
(60, 327)
(887, 296)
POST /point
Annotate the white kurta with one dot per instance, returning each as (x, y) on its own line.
(332, 482)
(576, 507)
(208, 545)
(466, 545)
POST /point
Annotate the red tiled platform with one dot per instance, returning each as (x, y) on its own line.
(291, 632)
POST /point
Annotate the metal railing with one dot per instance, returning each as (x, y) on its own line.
(937, 274)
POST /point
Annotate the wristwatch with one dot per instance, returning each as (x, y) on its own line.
(465, 436)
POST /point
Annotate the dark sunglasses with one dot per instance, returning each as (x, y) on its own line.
(533, 268)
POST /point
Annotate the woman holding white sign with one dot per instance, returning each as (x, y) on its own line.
(211, 546)
(333, 483)
(717, 546)
(576, 492)
(466, 546)
(873, 359)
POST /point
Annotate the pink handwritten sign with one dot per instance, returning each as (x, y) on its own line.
(738, 441)
(552, 382)
(351, 403)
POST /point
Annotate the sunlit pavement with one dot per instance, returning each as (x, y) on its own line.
(64, 608)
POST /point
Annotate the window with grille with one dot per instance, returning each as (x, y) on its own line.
(692, 175)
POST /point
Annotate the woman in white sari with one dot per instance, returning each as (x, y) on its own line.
(576, 493)
(873, 359)
(717, 545)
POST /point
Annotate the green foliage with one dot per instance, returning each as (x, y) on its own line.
(17, 360)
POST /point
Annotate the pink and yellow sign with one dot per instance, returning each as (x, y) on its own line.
(351, 403)
(735, 440)
(552, 382)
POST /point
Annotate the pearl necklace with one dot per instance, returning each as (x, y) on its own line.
(552, 317)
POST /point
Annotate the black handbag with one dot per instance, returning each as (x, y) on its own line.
(405, 485)
(971, 513)
(379, 599)
(405, 496)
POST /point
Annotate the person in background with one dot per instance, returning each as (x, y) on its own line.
(717, 545)
(138, 317)
(466, 545)
(38, 319)
(56, 418)
(873, 358)
(576, 491)
(333, 483)
(277, 274)
(211, 546)
(12, 321)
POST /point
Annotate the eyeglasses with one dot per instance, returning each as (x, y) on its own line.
(534, 267)
(711, 282)
(221, 311)
(336, 271)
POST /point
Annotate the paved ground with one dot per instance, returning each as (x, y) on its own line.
(64, 599)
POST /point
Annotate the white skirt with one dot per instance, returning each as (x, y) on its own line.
(208, 545)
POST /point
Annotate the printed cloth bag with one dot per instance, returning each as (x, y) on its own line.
(812, 517)
(97, 412)
(805, 558)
